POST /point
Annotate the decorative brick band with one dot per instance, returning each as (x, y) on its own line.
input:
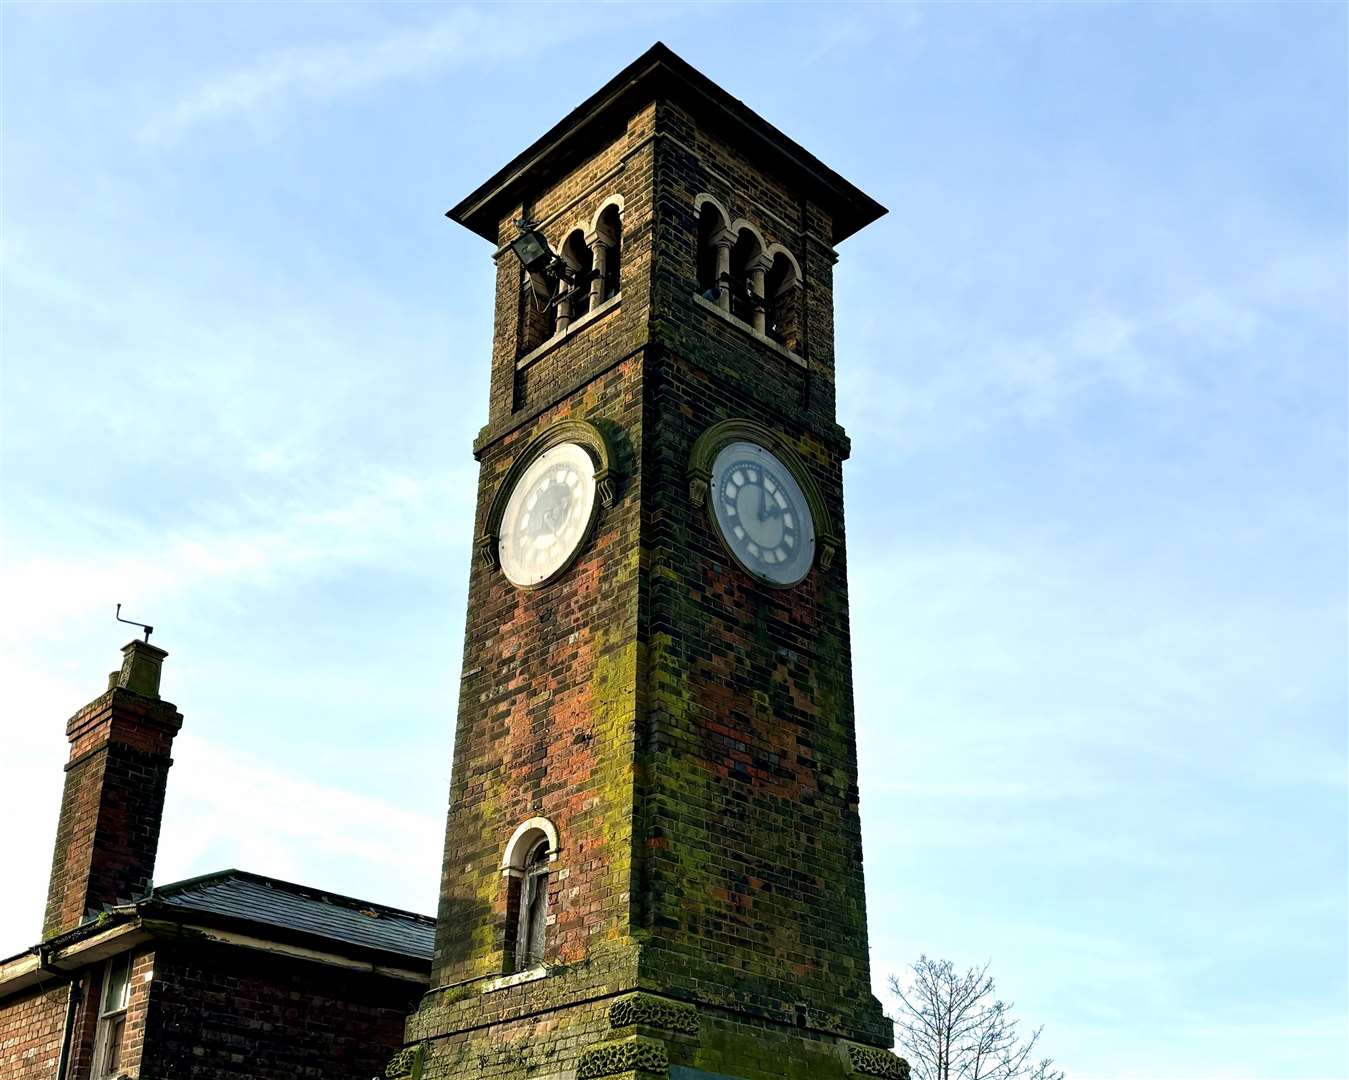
(873, 1061)
(656, 1012)
(637, 1054)
(406, 1064)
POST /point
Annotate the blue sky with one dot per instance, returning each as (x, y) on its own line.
(1093, 366)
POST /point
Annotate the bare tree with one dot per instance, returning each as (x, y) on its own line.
(952, 1027)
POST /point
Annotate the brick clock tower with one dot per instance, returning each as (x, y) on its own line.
(653, 858)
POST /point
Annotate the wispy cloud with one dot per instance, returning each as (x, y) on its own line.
(228, 807)
(328, 70)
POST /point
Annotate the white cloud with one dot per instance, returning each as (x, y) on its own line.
(227, 807)
(318, 72)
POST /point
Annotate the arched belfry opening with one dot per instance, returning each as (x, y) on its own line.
(575, 295)
(783, 299)
(608, 253)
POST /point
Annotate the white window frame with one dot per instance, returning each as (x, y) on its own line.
(110, 1034)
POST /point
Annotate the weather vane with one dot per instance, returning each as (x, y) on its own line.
(148, 629)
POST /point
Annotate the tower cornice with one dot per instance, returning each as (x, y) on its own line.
(660, 73)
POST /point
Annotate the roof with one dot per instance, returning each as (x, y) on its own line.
(658, 72)
(243, 909)
(240, 897)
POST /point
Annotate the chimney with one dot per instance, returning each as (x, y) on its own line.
(114, 793)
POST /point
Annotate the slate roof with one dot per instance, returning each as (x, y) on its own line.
(235, 896)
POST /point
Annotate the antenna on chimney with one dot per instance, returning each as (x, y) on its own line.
(148, 629)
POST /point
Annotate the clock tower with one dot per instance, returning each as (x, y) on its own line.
(653, 858)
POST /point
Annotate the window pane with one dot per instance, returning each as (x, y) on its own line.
(112, 1059)
(118, 983)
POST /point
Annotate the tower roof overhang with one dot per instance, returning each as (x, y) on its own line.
(660, 74)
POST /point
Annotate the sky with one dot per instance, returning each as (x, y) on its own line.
(1093, 365)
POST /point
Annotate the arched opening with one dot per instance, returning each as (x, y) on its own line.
(610, 234)
(532, 924)
(745, 252)
(526, 864)
(575, 294)
(782, 293)
(712, 226)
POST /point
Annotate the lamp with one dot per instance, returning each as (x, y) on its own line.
(531, 248)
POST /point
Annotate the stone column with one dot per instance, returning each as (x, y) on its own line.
(757, 268)
(563, 306)
(723, 241)
(599, 243)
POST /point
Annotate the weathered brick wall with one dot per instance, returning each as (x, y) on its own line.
(754, 865)
(547, 715)
(548, 706)
(111, 805)
(223, 1013)
(623, 168)
(31, 1025)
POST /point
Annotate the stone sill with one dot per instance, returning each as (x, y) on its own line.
(519, 977)
(762, 339)
(539, 352)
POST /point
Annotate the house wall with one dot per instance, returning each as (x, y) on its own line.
(31, 1024)
(223, 1013)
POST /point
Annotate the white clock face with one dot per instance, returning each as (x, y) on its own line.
(547, 515)
(762, 514)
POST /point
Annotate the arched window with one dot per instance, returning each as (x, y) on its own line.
(532, 924)
(782, 293)
(714, 246)
(575, 295)
(527, 864)
(609, 252)
(746, 258)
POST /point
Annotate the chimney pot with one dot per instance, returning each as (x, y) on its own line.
(141, 662)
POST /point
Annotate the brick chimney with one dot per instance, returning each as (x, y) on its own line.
(114, 793)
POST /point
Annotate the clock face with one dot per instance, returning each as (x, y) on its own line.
(547, 515)
(762, 514)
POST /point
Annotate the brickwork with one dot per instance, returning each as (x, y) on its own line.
(31, 1026)
(223, 1013)
(113, 799)
(754, 872)
(623, 169)
(547, 716)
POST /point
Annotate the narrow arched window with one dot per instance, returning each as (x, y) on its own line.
(782, 294)
(610, 234)
(575, 297)
(533, 917)
(527, 865)
(746, 253)
(714, 250)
